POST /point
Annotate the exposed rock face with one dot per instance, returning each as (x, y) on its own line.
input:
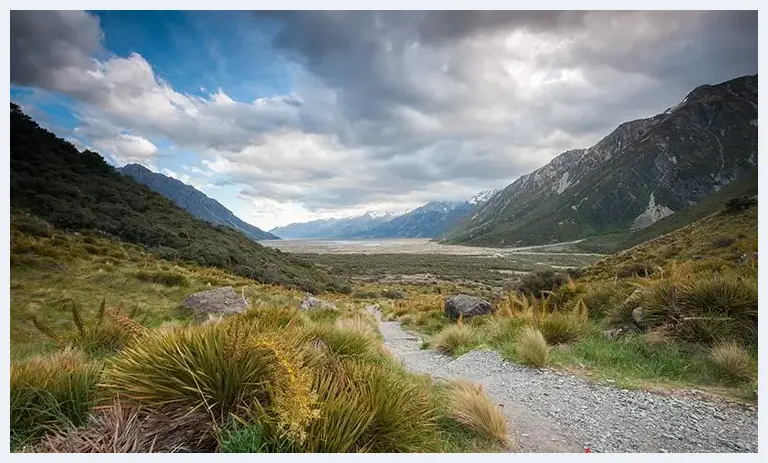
(467, 306)
(314, 303)
(640, 173)
(216, 302)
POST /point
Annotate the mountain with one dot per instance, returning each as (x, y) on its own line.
(79, 191)
(344, 228)
(641, 172)
(193, 201)
(483, 196)
(427, 221)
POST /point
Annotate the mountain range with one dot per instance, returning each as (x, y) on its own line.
(427, 221)
(643, 171)
(193, 201)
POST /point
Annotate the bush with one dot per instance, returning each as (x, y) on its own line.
(739, 204)
(643, 269)
(453, 339)
(49, 393)
(536, 282)
(532, 347)
(119, 429)
(32, 226)
(393, 294)
(107, 333)
(562, 327)
(731, 360)
(323, 315)
(236, 437)
(162, 278)
(344, 343)
(468, 405)
(723, 242)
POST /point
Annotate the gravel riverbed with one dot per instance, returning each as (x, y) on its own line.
(550, 411)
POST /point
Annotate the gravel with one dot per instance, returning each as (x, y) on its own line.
(550, 411)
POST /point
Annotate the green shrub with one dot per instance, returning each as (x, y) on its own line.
(454, 339)
(323, 315)
(162, 278)
(344, 343)
(739, 204)
(561, 328)
(723, 242)
(32, 226)
(724, 308)
(50, 393)
(536, 282)
(468, 405)
(643, 269)
(237, 437)
(393, 294)
(532, 347)
(731, 360)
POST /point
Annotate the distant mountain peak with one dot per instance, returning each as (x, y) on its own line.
(483, 196)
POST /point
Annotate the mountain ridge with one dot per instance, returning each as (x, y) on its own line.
(640, 172)
(193, 200)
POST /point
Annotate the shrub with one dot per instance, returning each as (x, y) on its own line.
(724, 308)
(468, 405)
(393, 294)
(219, 369)
(601, 299)
(453, 339)
(731, 360)
(323, 315)
(562, 327)
(108, 332)
(723, 242)
(164, 278)
(50, 392)
(32, 226)
(739, 204)
(119, 429)
(536, 282)
(238, 437)
(532, 347)
(359, 323)
(644, 269)
(404, 416)
(343, 342)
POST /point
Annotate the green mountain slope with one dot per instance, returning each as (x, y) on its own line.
(641, 172)
(193, 201)
(71, 190)
(613, 242)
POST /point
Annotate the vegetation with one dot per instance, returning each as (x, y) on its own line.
(732, 360)
(79, 191)
(532, 347)
(469, 406)
(454, 340)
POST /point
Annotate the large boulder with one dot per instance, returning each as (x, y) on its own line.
(313, 303)
(467, 306)
(216, 302)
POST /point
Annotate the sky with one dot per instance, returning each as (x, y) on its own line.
(294, 116)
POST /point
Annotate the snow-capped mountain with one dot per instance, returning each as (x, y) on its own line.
(483, 196)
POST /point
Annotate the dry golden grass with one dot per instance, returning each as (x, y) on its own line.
(731, 360)
(532, 347)
(468, 404)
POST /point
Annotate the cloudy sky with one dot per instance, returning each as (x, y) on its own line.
(294, 116)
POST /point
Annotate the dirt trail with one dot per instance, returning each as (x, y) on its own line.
(549, 411)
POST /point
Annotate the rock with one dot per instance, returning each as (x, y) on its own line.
(314, 303)
(219, 301)
(467, 306)
(613, 334)
(638, 316)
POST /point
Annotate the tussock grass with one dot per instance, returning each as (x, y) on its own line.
(468, 405)
(454, 340)
(731, 360)
(532, 347)
(238, 437)
(51, 392)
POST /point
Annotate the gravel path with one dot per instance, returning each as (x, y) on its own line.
(549, 411)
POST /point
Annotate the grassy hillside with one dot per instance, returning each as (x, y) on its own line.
(271, 380)
(71, 190)
(679, 311)
(610, 243)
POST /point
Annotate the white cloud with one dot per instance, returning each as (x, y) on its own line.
(126, 149)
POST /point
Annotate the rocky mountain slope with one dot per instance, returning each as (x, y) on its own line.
(343, 228)
(427, 221)
(193, 201)
(641, 172)
(72, 190)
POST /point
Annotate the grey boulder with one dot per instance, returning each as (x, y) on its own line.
(467, 306)
(314, 303)
(216, 302)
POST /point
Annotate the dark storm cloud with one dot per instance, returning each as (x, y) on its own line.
(44, 43)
